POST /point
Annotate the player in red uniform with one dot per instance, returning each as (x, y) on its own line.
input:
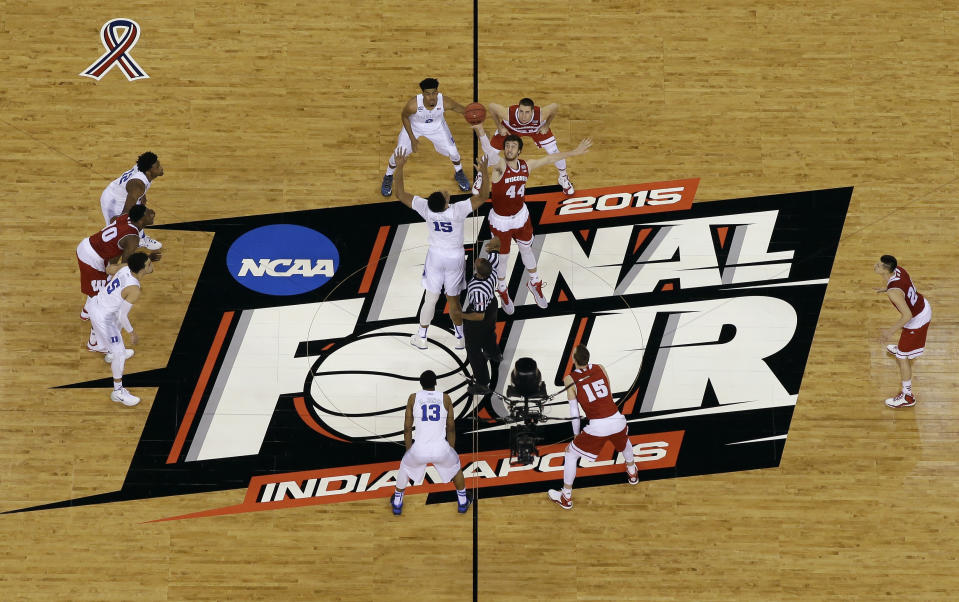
(527, 119)
(105, 251)
(509, 218)
(588, 386)
(915, 313)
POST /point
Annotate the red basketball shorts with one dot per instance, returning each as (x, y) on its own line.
(522, 234)
(540, 139)
(91, 279)
(590, 446)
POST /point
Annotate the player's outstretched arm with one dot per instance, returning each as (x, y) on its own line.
(482, 166)
(399, 157)
(583, 147)
(452, 105)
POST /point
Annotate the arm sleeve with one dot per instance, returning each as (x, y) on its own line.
(574, 414)
(125, 307)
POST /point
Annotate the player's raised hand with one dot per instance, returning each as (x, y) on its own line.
(583, 146)
(156, 256)
(400, 157)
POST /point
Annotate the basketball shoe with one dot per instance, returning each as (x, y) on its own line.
(397, 509)
(901, 401)
(563, 181)
(108, 358)
(125, 397)
(632, 478)
(151, 243)
(506, 301)
(418, 341)
(461, 181)
(557, 496)
(462, 508)
(893, 349)
(387, 187)
(460, 343)
(537, 290)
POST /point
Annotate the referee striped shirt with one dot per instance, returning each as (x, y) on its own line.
(479, 291)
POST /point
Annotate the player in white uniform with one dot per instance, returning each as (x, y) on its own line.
(110, 310)
(424, 115)
(431, 411)
(443, 268)
(130, 189)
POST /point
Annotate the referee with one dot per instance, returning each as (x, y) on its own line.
(479, 319)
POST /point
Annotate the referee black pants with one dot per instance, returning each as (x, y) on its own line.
(482, 351)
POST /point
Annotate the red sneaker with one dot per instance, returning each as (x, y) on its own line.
(557, 496)
(901, 401)
(632, 478)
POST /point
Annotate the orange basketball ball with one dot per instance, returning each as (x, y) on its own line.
(475, 113)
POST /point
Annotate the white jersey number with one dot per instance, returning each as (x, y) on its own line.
(595, 390)
(512, 192)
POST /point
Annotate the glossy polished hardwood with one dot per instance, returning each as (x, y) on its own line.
(275, 106)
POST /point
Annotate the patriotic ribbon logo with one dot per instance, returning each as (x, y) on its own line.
(117, 50)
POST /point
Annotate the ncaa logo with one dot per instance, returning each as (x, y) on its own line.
(282, 259)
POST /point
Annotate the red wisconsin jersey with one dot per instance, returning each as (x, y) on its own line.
(592, 392)
(530, 127)
(106, 242)
(900, 279)
(509, 193)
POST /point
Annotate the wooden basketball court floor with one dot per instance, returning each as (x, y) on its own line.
(258, 107)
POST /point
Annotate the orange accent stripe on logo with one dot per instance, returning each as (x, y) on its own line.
(562, 297)
(722, 235)
(200, 387)
(641, 238)
(550, 468)
(668, 286)
(576, 341)
(628, 406)
(374, 259)
(300, 404)
(499, 331)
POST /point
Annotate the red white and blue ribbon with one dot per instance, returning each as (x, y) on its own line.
(117, 50)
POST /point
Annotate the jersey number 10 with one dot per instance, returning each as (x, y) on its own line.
(595, 390)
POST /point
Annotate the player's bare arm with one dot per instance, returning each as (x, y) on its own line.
(135, 190)
(499, 112)
(409, 110)
(898, 299)
(408, 424)
(570, 387)
(583, 147)
(450, 426)
(452, 105)
(482, 166)
(404, 197)
(546, 114)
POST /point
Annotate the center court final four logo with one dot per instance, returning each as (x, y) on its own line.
(291, 370)
(118, 49)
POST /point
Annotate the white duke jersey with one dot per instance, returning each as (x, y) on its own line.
(118, 187)
(446, 227)
(427, 120)
(109, 299)
(429, 417)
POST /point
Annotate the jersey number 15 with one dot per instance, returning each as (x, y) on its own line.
(595, 390)
(443, 226)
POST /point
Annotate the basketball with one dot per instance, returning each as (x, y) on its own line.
(475, 113)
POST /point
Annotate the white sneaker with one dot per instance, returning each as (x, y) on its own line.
(418, 341)
(537, 290)
(568, 189)
(557, 496)
(893, 349)
(505, 302)
(125, 397)
(150, 243)
(108, 358)
(460, 343)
